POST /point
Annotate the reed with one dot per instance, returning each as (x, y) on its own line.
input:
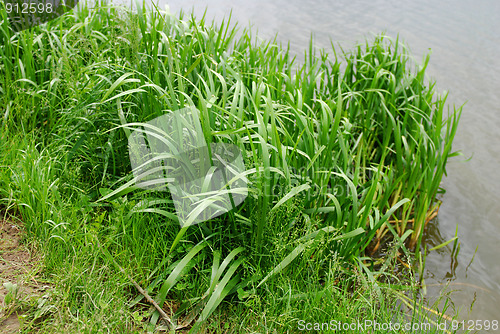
(341, 149)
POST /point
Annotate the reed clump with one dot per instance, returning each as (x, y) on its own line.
(341, 149)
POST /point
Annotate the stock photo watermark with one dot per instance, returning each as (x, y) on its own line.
(415, 327)
(26, 14)
(171, 152)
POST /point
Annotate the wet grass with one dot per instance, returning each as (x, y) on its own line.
(342, 150)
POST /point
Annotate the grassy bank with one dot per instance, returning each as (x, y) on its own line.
(344, 155)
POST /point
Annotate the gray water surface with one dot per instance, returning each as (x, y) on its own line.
(463, 37)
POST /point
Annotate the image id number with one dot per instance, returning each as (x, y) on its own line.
(475, 325)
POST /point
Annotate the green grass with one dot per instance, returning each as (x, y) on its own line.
(342, 150)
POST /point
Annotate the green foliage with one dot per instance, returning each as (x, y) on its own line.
(339, 151)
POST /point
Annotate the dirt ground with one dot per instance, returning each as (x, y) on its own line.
(18, 265)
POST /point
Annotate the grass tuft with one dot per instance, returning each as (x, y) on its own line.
(342, 151)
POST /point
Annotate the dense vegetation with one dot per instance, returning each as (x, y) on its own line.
(344, 156)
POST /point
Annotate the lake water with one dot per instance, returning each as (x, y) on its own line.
(464, 39)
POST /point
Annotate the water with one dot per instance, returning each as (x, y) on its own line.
(464, 38)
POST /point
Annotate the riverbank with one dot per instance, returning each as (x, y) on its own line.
(340, 151)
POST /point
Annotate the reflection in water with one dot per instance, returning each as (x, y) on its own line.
(433, 238)
(464, 38)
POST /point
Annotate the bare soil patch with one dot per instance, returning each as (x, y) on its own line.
(18, 265)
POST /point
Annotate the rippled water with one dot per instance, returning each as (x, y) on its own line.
(464, 38)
